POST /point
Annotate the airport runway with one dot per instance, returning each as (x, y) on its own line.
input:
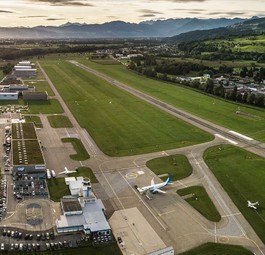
(174, 220)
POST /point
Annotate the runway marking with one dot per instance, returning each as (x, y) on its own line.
(230, 215)
(182, 184)
(165, 213)
(81, 163)
(164, 153)
(229, 140)
(67, 132)
(131, 175)
(240, 135)
(160, 223)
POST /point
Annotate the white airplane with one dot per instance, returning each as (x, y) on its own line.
(253, 205)
(66, 171)
(155, 187)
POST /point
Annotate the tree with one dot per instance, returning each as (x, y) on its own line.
(251, 98)
(209, 86)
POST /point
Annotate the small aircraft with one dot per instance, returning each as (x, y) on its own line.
(66, 171)
(154, 188)
(253, 205)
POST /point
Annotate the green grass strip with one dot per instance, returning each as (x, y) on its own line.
(35, 119)
(242, 175)
(176, 165)
(81, 153)
(200, 200)
(218, 249)
(59, 121)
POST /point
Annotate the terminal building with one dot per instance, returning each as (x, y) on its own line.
(82, 211)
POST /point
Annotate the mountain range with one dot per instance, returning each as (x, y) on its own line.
(117, 29)
(252, 26)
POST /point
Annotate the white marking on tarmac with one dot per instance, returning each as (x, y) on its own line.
(67, 132)
(230, 215)
(165, 213)
(164, 153)
(229, 140)
(81, 163)
(160, 223)
(240, 135)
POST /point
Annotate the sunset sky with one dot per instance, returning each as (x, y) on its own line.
(57, 12)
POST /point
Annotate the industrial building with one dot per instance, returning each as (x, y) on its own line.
(28, 95)
(82, 211)
(24, 69)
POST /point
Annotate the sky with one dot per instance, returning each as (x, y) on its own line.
(31, 13)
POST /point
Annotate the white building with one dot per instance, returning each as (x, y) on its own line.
(8, 95)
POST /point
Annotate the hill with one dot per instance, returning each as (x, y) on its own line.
(254, 26)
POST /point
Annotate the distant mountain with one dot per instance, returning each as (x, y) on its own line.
(252, 26)
(116, 29)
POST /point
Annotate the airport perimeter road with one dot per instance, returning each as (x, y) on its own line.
(237, 139)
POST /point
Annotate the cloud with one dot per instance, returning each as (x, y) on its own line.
(26, 17)
(52, 19)
(148, 11)
(178, 1)
(227, 13)
(147, 15)
(64, 2)
(4, 11)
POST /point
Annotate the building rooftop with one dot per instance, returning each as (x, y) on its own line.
(71, 205)
(23, 131)
(92, 218)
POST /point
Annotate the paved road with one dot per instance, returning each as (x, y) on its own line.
(114, 175)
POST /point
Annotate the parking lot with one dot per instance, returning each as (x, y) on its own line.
(12, 239)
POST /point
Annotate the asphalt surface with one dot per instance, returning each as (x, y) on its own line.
(175, 221)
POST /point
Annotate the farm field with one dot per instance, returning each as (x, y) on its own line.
(251, 122)
(176, 165)
(242, 175)
(200, 200)
(218, 249)
(120, 123)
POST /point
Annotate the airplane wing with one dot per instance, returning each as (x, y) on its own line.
(159, 191)
(152, 182)
(62, 172)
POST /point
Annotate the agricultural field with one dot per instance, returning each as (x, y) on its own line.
(200, 200)
(120, 123)
(59, 121)
(176, 165)
(218, 249)
(251, 122)
(81, 153)
(242, 175)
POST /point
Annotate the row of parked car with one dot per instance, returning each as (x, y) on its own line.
(18, 235)
(3, 196)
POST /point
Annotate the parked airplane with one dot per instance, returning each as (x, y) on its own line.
(253, 205)
(66, 171)
(155, 187)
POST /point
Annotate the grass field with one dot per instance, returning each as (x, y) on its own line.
(176, 165)
(58, 189)
(35, 119)
(251, 123)
(119, 123)
(85, 172)
(218, 249)
(81, 153)
(46, 107)
(242, 175)
(59, 121)
(41, 85)
(201, 202)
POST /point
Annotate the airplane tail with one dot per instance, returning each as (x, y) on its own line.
(169, 180)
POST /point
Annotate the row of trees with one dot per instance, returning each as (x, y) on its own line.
(208, 87)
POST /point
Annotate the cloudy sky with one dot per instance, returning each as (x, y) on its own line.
(57, 12)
